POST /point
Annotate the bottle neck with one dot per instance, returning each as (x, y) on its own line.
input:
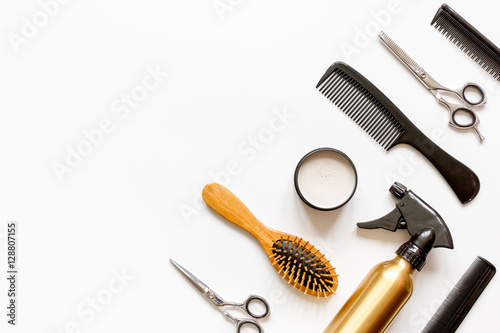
(416, 249)
(404, 264)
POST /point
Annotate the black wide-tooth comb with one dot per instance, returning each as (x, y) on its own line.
(468, 39)
(383, 121)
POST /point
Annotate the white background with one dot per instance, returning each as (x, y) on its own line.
(119, 209)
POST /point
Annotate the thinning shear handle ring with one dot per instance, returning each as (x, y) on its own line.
(254, 298)
(242, 323)
(472, 115)
(472, 87)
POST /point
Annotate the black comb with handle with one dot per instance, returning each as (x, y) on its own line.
(383, 121)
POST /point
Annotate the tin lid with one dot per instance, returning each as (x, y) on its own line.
(325, 179)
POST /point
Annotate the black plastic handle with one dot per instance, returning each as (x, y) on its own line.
(461, 178)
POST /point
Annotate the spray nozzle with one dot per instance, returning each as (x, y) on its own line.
(413, 214)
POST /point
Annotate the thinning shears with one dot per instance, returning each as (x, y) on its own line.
(221, 304)
(461, 115)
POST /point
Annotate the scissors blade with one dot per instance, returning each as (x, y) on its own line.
(202, 288)
(400, 54)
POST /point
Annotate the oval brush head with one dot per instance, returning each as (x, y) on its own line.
(296, 260)
(304, 267)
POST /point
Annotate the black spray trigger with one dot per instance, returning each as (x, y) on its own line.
(413, 214)
(392, 222)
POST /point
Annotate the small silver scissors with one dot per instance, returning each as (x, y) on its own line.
(220, 303)
(435, 88)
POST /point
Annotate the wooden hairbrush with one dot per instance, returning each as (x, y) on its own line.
(296, 260)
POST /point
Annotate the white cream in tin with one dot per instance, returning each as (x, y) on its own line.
(326, 179)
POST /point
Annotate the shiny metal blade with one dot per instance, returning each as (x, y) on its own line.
(202, 288)
(398, 52)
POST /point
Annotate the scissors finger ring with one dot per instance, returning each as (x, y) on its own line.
(221, 304)
(470, 94)
(473, 94)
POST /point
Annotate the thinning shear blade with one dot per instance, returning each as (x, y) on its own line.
(398, 52)
(412, 65)
(435, 88)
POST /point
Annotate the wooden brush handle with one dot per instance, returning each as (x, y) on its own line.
(313, 274)
(228, 205)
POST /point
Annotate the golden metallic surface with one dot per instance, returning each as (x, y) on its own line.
(378, 299)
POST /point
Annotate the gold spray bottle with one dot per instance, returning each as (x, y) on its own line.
(389, 285)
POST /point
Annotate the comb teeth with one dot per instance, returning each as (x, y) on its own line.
(468, 42)
(462, 297)
(362, 107)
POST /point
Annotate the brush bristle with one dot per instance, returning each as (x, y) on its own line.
(362, 107)
(304, 267)
(468, 43)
